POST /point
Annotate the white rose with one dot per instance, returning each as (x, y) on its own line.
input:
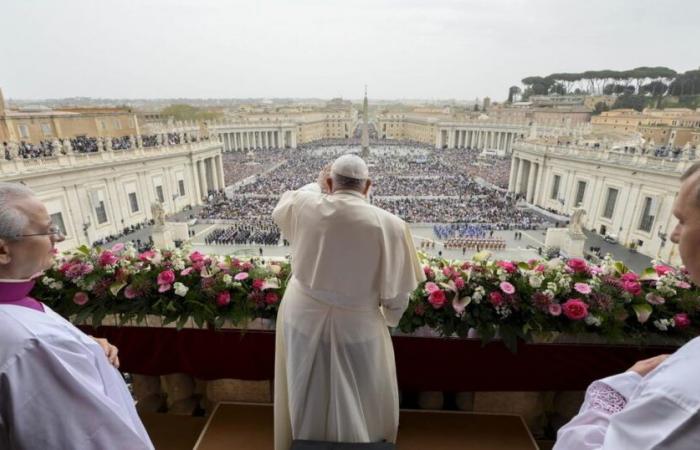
(535, 281)
(180, 289)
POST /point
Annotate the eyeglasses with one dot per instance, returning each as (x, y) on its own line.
(54, 231)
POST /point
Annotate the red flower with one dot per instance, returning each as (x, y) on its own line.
(166, 277)
(258, 284)
(429, 274)
(437, 299)
(575, 309)
(507, 266)
(577, 265)
(496, 298)
(630, 277)
(633, 287)
(223, 299)
(662, 270)
(108, 258)
(681, 320)
(271, 298)
(459, 283)
(196, 257)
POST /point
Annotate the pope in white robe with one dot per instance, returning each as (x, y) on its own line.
(353, 268)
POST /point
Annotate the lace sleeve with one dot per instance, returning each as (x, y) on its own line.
(604, 398)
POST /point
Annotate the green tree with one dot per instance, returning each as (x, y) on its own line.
(512, 92)
(181, 111)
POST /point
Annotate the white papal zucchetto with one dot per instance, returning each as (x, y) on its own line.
(351, 166)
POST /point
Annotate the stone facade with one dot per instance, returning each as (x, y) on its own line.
(94, 195)
(628, 194)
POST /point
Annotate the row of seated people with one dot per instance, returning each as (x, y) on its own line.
(476, 243)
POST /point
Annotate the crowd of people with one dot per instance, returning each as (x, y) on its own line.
(261, 231)
(477, 244)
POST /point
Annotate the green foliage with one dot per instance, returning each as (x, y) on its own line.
(180, 112)
(637, 102)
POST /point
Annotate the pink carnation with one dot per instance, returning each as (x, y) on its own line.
(555, 309)
(240, 276)
(583, 288)
(575, 309)
(223, 298)
(681, 320)
(507, 288)
(431, 287)
(80, 298)
(166, 277)
(437, 299)
(577, 264)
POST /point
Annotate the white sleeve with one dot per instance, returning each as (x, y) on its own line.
(311, 187)
(282, 214)
(58, 401)
(394, 308)
(604, 398)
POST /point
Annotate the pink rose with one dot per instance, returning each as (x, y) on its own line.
(223, 298)
(681, 320)
(164, 288)
(582, 288)
(507, 266)
(662, 270)
(240, 276)
(655, 299)
(271, 298)
(437, 299)
(507, 288)
(577, 264)
(459, 283)
(633, 287)
(629, 277)
(196, 256)
(575, 309)
(496, 298)
(107, 258)
(555, 309)
(186, 271)
(80, 298)
(131, 292)
(166, 277)
(431, 287)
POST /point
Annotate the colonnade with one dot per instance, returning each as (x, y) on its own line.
(477, 138)
(524, 174)
(235, 141)
(209, 175)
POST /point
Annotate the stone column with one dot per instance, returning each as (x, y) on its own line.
(219, 169)
(513, 173)
(294, 140)
(531, 182)
(204, 189)
(519, 178)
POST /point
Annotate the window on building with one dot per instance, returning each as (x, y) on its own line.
(23, 131)
(57, 220)
(580, 193)
(133, 202)
(555, 187)
(117, 124)
(610, 203)
(159, 194)
(103, 124)
(647, 220)
(181, 187)
(46, 129)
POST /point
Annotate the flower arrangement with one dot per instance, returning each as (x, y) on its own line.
(514, 300)
(176, 284)
(521, 299)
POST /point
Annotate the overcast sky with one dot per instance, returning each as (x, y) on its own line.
(432, 49)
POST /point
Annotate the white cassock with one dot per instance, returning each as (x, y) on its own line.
(58, 389)
(354, 266)
(626, 411)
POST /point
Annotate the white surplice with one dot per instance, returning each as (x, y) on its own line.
(627, 411)
(58, 389)
(354, 266)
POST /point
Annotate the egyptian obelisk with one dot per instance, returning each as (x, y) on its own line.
(365, 128)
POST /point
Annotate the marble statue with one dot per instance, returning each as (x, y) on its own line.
(158, 213)
(576, 221)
